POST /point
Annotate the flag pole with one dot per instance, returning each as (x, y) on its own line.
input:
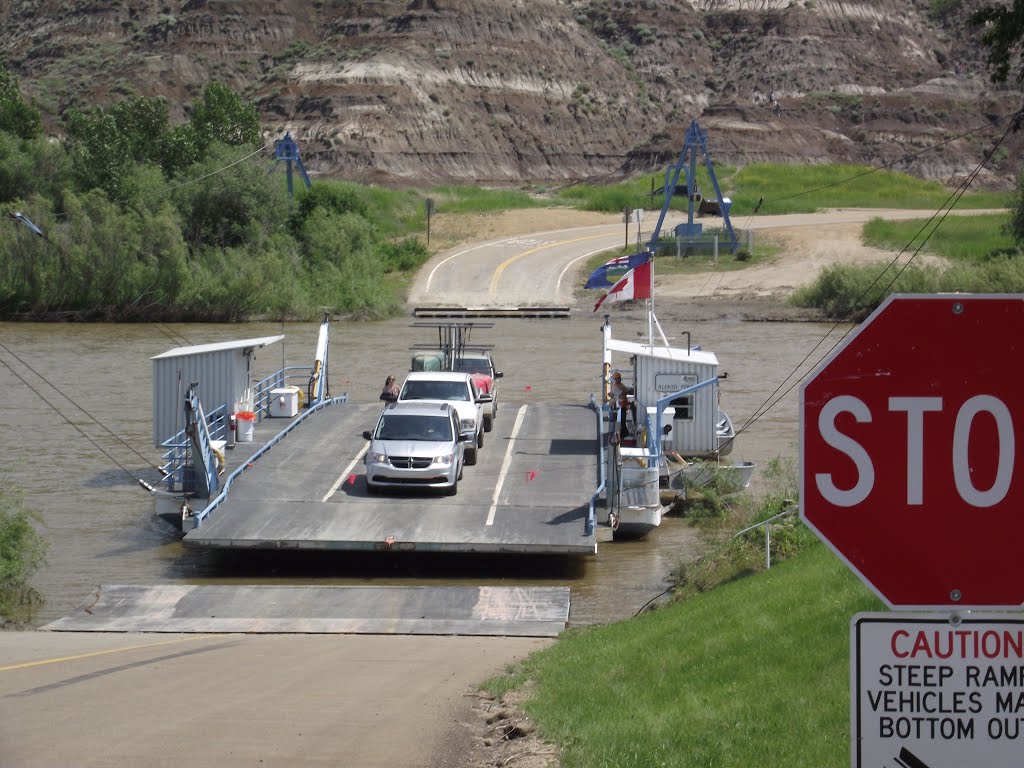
(650, 306)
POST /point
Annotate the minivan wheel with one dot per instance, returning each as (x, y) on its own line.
(452, 489)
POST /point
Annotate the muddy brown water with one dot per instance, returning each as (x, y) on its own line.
(76, 401)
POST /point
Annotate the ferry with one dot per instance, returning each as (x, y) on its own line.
(674, 433)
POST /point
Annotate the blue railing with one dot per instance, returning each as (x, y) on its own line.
(199, 516)
(592, 512)
(175, 458)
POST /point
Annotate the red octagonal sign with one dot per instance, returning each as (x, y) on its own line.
(908, 442)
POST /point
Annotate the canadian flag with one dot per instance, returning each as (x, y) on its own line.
(635, 284)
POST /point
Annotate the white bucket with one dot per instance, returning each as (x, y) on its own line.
(245, 425)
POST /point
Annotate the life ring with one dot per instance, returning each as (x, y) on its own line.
(221, 461)
(613, 520)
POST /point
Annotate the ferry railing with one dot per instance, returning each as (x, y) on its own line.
(592, 511)
(292, 376)
(198, 517)
(175, 458)
(767, 525)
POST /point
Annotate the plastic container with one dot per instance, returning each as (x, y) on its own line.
(428, 361)
(246, 421)
(284, 402)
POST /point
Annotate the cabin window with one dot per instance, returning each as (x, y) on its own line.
(684, 408)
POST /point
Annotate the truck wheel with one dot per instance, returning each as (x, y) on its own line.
(480, 439)
(488, 423)
(471, 456)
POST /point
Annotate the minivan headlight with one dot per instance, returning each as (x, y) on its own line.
(448, 458)
(376, 458)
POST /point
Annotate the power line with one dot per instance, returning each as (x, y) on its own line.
(56, 389)
(945, 209)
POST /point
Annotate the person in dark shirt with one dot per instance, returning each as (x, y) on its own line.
(390, 392)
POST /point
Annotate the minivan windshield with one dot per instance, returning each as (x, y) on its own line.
(434, 390)
(394, 426)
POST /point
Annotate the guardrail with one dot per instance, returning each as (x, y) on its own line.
(491, 311)
(767, 532)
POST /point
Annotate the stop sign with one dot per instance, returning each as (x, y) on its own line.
(908, 440)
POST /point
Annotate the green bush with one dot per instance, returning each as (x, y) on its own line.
(22, 553)
(727, 555)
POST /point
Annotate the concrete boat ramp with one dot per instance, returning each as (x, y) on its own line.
(530, 493)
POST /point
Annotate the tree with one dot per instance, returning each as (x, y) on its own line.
(1016, 223)
(221, 116)
(16, 115)
(22, 552)
(1004, 37)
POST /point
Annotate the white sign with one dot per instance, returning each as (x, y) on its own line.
(638, 215)
(673, 382)
(935, 692)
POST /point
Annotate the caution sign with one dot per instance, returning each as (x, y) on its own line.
(937, 692)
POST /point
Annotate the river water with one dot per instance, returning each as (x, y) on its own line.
(76, 402)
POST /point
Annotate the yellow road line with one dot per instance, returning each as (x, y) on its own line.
(78, 656)
(510, 259)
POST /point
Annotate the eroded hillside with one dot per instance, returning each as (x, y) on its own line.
(543, 91)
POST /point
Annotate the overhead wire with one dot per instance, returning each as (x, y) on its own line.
(57, 389)
(771, 401)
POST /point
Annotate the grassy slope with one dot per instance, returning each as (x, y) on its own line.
(753, 673)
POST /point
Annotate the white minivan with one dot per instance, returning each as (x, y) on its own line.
(462, 392)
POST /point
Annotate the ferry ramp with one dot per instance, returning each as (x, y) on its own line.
(528, 493)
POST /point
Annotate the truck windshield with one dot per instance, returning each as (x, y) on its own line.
(472, 366)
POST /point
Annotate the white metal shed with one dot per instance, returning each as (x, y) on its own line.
(223, 372)
(660, 371)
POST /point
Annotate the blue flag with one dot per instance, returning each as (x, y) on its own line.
(612, 271)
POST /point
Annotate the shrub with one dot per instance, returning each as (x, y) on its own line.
(22, 552)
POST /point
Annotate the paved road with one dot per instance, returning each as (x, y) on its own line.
(238, 700)
(544, 268)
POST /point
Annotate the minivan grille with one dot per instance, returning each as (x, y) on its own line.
(410, 462)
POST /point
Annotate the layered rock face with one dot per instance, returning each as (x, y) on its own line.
(542, 92)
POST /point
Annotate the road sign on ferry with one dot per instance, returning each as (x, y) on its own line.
(908, 448)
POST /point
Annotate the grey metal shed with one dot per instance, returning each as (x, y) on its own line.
(223, 372)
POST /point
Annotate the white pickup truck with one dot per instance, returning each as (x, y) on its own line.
(462, 392)
(481, 365)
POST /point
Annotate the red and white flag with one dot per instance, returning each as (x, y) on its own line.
(635, 284)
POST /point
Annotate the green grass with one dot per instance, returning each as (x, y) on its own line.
(480, 200)
(808, 188)
(984, 260)
(755, 672)
(958, 238)
(785, 189)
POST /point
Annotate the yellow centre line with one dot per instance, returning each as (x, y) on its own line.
(510, 259)
(78, 656)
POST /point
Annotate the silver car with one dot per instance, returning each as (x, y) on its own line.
(415, 445)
